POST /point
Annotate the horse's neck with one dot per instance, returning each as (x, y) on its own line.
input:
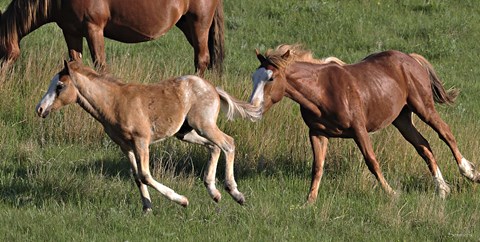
(21, 22)
(294, 90)
(96, 96)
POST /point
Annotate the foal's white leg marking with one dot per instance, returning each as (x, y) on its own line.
(168, 192)
(50, 95)
(442, 187)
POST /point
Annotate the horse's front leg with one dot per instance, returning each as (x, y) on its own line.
(74, 45)
(319, 147)
(142, 155)
(96, 44)
(144, 195)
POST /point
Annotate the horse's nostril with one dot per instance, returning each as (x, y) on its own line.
(39, 110)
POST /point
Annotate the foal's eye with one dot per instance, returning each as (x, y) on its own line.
(60, 87)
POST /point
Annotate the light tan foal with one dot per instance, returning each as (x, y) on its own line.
(136, 115)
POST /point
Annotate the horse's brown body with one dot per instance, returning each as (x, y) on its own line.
(136, 115)
(348, 101)
(129, 21)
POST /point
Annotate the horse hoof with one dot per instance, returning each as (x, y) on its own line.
(217, 198)
(147, 211)
(183, 201)
(239, 198)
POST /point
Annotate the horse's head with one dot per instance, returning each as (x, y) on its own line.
(268, 80)
(61, 92)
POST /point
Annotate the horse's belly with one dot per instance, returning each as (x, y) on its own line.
(127, 34)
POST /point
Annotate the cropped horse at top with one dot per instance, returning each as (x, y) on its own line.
(135, 115)
(349, 101)
(128, 21)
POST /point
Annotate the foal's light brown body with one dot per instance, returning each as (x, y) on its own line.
(349, 101)
(128, 21)
(136, 115)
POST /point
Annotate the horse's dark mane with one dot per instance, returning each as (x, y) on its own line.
(23, 15)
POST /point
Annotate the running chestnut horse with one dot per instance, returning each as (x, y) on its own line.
(349, 101)
(128, 21)
(136, 115)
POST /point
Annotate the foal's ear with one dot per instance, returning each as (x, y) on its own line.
(286, 55)
(260, 57)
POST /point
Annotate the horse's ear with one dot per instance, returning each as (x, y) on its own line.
(65, 64)
(260, 57)
(286, 55)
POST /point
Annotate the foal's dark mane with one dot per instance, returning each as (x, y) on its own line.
(21, 15)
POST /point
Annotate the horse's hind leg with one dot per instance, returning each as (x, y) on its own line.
(365, 145)
(432, 118)
(210, 173)
(227, 145)
(404, 124)
(196, 31)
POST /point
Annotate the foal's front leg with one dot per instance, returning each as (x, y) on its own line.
(142, 154)
(145, 196)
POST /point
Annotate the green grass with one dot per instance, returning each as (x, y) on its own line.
(62, 179)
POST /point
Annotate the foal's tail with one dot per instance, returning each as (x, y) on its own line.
(216, 39)
(440, 95)
(236, 108)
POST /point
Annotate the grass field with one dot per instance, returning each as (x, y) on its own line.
(62, 179)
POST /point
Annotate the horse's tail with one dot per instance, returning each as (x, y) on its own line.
(216, 39)
(440, 95)
(236, 108)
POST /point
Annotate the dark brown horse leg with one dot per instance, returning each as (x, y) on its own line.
(404, 124)
(74, 45)
(144, 195)
(196, 32)
(365, 145)
(96, 44)
(319, 147)
(467, 169)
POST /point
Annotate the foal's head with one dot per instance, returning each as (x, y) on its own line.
(61, 92)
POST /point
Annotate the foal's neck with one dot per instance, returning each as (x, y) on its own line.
(97, 96)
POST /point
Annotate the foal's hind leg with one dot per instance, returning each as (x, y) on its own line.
(210, 173)
(432, 118)
(226, 144)
(404, 124)
(365, 145)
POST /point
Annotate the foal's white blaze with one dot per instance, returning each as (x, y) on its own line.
(260, 78)
(50, 95)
